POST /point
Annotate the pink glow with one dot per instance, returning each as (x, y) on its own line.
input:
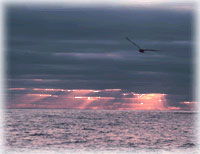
(47, 89)
(173, 108)
(112, 89)
(42, 95)
(78, 97)
(115, 99)
(152, 101)
(188, 102)
(16, 88)
(189, 105)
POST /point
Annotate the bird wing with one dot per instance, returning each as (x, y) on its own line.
(133, 43)
(150, 50)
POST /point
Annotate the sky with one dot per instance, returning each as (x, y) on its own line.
(76, 55)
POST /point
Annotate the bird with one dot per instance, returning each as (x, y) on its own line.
(139, 48)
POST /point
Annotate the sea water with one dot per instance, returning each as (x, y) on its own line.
(108, 131)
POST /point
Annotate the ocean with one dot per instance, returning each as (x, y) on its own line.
(99, 131)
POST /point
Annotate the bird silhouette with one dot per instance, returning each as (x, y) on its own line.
(139, 48)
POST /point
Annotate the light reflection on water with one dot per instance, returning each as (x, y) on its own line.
(100, 130)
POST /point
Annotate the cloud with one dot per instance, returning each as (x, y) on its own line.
(179, 5)
(79, 48)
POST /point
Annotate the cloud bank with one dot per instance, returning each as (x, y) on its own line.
(85, 48)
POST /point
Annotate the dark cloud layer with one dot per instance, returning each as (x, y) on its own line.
(82, 48)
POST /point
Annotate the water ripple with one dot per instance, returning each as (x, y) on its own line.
(100, 129)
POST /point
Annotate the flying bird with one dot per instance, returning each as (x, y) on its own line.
(139, 48)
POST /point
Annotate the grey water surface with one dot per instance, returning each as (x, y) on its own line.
(100, 130)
